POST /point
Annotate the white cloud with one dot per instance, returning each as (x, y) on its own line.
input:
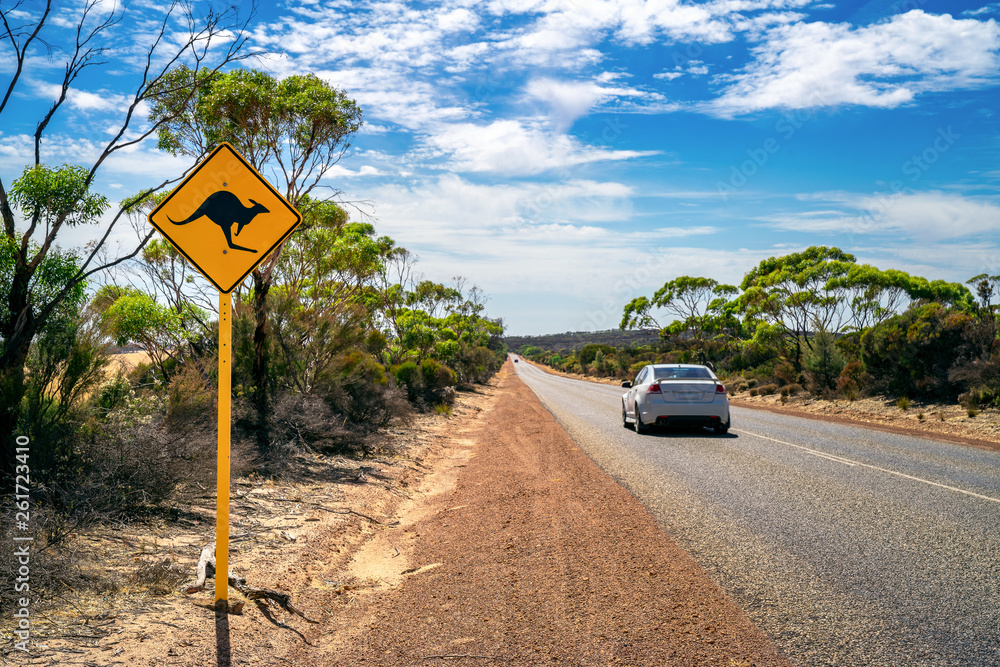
(918, 216)
(992, 8)
(488, 233)
(669, 76)
(569, 100)
(680, 232)
(883, 65)
(514, 147)
(338, 171)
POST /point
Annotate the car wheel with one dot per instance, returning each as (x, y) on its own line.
(639, 426)
(722, 429)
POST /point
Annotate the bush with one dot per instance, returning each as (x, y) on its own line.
(408, 376)
(768, 389)
(135, 458)
(790, 390)
(911, 354)
(785, 373)
(823, 362)
(436, 376)
(853, 379)
(589, 352)
(980, 378)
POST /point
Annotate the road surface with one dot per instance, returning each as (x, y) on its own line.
(848, 546)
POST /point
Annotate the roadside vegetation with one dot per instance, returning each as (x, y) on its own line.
(815, 321)
(335, 334)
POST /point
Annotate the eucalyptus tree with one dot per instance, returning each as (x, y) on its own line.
(796, 292)
(293, 131)
(694, 303)
(321, 299)
(46, 201)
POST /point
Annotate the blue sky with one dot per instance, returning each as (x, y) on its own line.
(569, 155)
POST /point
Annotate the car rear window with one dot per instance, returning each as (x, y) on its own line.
(682, 374)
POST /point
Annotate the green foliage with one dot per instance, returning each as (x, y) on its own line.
(64, 366)
(133, 316)
(408, 375)
(587, 355)
(57, 196)
(795, 291)
(911, 354)
(50, 279)
(699, 306)
(436, 376)
(300, 119)
(824, 362)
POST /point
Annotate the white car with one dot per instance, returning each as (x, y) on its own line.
(676, 394)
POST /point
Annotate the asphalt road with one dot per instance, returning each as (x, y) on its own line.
(850, 547)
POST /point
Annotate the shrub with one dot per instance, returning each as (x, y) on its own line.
(785, 373)
(980, 378)
(853, 379)
(111, 394)
(790, 389)
(768, 389)
(408, 376)
(436, 375)
(754, 391)
(911, 354)
(189, 396)
(903, 403)
(135, 459)
(589, 352)
(823, 362)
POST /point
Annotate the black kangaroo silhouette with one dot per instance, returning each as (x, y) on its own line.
(224, 208)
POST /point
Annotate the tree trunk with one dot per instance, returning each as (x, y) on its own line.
(261, 361)
(17, 333)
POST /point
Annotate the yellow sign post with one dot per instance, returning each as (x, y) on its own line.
(224, 218)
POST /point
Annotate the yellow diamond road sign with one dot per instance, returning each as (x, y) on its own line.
(225, 218)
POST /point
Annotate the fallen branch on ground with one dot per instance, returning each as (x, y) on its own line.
(207, 561)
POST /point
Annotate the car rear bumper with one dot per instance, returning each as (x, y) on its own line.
(705, 414)
(688, 420)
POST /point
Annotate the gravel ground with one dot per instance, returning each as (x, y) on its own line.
(537, 557)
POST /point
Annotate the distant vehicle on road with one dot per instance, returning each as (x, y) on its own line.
(676, 394)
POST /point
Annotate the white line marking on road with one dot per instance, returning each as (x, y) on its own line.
(851, 462)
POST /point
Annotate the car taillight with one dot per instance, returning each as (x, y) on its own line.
(654, 389)
(720, 389)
